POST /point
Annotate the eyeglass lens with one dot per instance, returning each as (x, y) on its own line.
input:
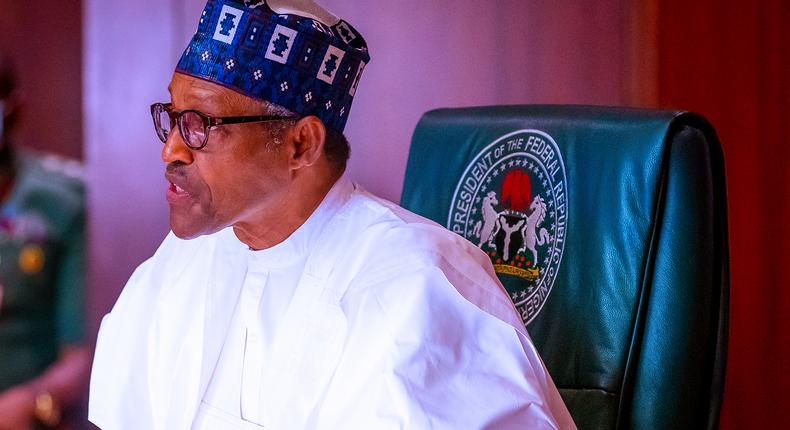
(192, 129)
(163, 123)
(190, 124)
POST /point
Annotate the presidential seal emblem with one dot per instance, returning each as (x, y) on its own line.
(512, 202)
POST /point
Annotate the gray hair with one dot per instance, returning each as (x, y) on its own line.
(336, 147)
(276, 129)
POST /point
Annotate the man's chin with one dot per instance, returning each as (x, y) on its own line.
(183, 229)
(185, 234)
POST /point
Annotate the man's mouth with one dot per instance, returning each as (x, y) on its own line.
(177, 190)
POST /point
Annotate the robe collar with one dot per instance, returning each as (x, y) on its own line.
(302, 241)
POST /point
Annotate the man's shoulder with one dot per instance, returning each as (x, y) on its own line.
(390, 240)
(400, 254)
(389, 228)
(49, 190)
(59, 176)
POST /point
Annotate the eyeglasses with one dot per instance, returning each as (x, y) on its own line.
(194, 125)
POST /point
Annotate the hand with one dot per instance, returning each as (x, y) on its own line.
(17, 408)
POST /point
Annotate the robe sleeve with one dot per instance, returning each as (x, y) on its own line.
(421, 356)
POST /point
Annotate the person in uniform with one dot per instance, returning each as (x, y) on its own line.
(286, 296)
(43, 361)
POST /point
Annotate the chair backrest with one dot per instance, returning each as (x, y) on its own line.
(608, 227)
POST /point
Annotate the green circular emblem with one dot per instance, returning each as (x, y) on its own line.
(512, 202)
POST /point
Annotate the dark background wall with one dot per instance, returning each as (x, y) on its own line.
(45, 41)
(731, 61)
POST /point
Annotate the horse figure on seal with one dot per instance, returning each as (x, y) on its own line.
(530, 230)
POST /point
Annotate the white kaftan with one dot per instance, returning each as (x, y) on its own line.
(367, 317)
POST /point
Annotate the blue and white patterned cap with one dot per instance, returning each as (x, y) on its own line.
(292, 53)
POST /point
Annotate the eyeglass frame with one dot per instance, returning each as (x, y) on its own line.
(209, 122)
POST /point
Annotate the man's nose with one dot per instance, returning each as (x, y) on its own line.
(175, 150)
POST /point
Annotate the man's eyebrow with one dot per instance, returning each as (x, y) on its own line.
(193, 97)
(202, 96)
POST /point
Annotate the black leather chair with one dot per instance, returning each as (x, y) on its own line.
(608, 227)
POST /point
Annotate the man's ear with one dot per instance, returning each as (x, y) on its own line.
(309, 136)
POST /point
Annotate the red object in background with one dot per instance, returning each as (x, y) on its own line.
(516, 192)
(731, 62)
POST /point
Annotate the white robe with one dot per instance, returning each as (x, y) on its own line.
(395, 323)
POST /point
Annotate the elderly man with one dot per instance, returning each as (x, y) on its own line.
(287, 297)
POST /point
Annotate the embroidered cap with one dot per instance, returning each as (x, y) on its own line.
(292, 53)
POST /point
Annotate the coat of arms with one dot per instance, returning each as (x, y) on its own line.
(512, 202)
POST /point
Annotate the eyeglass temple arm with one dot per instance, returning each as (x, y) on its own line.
(242, 119)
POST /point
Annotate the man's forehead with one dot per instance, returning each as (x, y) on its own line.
(188, 85)
(189, 90)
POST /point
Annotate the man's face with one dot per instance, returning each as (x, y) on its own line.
(235, 178)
